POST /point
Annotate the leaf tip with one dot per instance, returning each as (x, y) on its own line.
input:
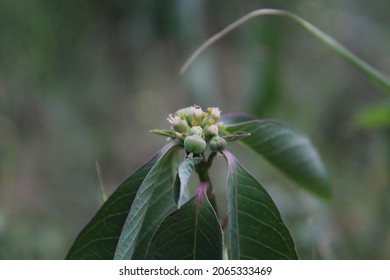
(323, 191)
(327, 196)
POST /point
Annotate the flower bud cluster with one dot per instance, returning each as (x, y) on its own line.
(196, 128)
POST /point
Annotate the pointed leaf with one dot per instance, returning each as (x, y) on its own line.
(163, 132)
(190, 233)
(286, 148)
(153, 202)
(236, 136)
(99, 238)
(185, 171)
(256, 229)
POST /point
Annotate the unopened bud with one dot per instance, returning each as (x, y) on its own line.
(178, 124)
(196, 130)
(194, 144)
(211, 130)
(217, 144)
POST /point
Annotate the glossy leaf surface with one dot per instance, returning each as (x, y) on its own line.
(284, 147)
(99, 238)
(255, 227)
(190, 233)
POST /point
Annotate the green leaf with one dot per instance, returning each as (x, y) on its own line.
(153, 202)
(236, 136)
(99, 238)
(185, 171)
(256, 229)
(189, 233)
(286, 148)
(163, 132)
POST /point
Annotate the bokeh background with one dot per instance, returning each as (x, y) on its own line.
(84, 81)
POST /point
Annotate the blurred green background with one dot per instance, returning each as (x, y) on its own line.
(84, 81)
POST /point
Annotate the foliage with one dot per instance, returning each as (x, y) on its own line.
(160, 212)
(254, 229)
(83, 82)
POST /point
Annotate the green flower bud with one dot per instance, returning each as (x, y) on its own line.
(211, 130)
(217, 144)
(196, 130)
(178, 124)
(194, 144)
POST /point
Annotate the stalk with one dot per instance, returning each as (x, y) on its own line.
(202, 170)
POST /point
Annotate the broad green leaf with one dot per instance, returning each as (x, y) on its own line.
(153, 202)
(255, 227)
(99, 238)
(185, 171)
(189, 233)
(286, 148)
(370, 72)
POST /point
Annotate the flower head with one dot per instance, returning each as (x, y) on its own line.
(195, 128)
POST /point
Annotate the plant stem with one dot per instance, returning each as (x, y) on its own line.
(203, 174)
